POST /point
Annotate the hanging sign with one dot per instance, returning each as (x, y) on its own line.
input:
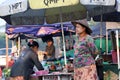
(98, 2)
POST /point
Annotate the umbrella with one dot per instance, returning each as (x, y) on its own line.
(9, 7)
(51, 15)
(118, 5)
(97, 7)
(111, 17)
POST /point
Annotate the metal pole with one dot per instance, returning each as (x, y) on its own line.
(19, 46)
(106, 41)
(118, 53)
(6, 51)
(12, 43)
(65, 59)
(101, 30)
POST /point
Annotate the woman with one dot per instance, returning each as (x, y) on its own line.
(50, 49)
(23, 67)
(84, 63)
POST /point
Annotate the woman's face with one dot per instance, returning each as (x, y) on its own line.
(49, 43)
(35, 49)
(79, 29)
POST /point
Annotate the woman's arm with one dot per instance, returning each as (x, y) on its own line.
(37, 62)
(91, 45)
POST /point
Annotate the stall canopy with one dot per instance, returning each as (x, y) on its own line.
(36, 31)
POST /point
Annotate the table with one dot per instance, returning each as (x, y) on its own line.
(61, 76)
(58, 76)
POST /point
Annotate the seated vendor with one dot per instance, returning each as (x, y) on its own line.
(50, 49)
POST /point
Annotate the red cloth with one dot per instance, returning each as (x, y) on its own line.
(10, 63)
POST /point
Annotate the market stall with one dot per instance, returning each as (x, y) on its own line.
(113, 67)
(39, 31)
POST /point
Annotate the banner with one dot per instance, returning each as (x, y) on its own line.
(40, 4)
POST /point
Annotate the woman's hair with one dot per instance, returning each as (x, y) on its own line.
(33, 44)
(50, 40)
(86, 30)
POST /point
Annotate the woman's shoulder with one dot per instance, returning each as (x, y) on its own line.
(28, 51)
(89, 38)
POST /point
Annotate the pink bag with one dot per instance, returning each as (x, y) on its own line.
(114, 56)
(42, 72)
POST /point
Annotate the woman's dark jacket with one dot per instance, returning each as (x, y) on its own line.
(51, 51)
(25, 63)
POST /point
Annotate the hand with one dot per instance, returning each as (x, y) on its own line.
(43, 52)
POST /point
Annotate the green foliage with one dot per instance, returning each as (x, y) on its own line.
(6, 72)
(2, 35)
(92, 23)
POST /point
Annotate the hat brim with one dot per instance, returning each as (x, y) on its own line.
(88, 30)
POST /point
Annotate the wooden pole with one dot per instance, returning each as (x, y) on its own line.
(6, 51)
(118, 53)
(19, 46)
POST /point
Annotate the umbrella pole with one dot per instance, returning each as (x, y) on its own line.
(101, 38)
(118, 55)
(101, 31)
(106, 41)
(65, 59)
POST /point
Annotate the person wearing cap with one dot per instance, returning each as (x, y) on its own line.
(23, 67)
(84, 48)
